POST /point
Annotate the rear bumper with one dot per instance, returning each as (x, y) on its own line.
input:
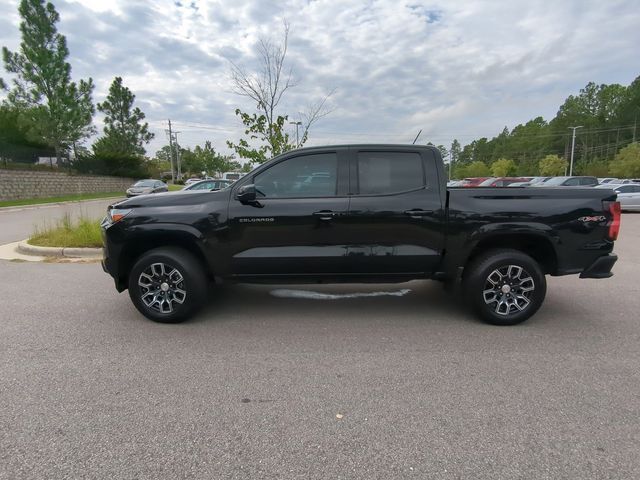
(601, 268)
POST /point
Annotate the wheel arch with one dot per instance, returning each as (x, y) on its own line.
(538, 247)
(147, 241)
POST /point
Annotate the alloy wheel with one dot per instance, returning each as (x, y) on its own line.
(162, 287)
(508, 290)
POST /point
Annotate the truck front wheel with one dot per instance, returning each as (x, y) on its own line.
(505, 287)
(167, 285)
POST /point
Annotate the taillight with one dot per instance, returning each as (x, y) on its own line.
(614, 226)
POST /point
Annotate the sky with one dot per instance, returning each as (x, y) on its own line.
(453, 69)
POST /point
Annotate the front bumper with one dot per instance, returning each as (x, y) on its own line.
(110, 256)
(601, 267)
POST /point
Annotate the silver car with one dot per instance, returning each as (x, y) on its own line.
(628, 195)
(144, 187)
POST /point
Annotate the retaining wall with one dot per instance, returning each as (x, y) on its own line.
(18, 184)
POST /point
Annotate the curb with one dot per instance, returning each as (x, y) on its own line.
(26, 249)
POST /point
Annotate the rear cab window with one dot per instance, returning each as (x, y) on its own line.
(386, 173)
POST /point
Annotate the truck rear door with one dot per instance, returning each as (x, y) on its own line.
(396, 214)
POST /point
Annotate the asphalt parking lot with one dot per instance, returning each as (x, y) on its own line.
(259, 386)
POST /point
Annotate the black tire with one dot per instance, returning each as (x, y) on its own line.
(170, 305)
(511, 295)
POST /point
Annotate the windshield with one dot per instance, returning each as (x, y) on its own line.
(144, 183)
(538, 180)
(487, 182)
(556, 181)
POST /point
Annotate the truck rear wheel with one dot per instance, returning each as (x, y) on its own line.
(167, 285)
(505, 287)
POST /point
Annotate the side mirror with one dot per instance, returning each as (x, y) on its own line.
(246, 194)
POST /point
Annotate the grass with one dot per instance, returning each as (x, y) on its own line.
(174, 188)
(66, 198)
(66, 233)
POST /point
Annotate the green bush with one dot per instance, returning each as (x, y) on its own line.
(627, 162)
(114, 164)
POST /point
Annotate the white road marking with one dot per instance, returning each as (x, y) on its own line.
(286, 293)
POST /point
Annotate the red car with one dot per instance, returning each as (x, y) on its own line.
(472, 181)
(501, 181)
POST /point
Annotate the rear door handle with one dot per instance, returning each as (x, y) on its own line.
(325, 215)
(416, 212)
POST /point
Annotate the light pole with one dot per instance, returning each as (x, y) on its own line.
(573, 146)
(297, 138)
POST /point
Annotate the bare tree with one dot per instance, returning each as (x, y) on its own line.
(268, 87)
(313, 113)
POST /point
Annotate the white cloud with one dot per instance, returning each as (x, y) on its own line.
(452, 68)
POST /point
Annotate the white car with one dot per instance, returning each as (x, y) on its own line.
(628, 195)
(203, 185)
(191, 181)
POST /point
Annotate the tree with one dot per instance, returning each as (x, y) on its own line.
(55, 110)
(503, 167)
(15, 143)
(455, 150)
(274, 139)
(473, 169)
(552, 165)
(124, 131)
(267, 89)
(627, 162)
(208, 160)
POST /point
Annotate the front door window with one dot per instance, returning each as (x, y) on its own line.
(306, 176)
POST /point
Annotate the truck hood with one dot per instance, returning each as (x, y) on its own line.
(169, 199)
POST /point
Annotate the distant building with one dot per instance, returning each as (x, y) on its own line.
(51, 161)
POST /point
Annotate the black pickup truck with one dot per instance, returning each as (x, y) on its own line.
(359, 213)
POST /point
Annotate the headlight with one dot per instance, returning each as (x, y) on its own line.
(117, 214)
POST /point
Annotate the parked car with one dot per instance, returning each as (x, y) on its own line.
(536, 180)
(144, 187)
(192, 180)
(233, 176)
(519, 184)
(569, 182)
(207, 185)
(628, 195)
(603, 181)
(501, 181)
(472, 181)
(392, 219)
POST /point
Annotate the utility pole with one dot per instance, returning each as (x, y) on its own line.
(297, 124)
(573, 146)
(178, 155)
(173, 177)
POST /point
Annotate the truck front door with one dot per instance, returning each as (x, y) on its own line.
(296, 226)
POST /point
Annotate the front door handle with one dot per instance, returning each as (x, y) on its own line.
(325, 215)
(416, 212)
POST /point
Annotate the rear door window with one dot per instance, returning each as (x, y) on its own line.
(382, 173)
